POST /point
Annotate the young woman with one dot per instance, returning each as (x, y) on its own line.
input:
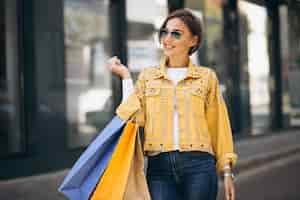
(188, 137)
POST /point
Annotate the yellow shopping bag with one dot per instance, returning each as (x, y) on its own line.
(124, 177)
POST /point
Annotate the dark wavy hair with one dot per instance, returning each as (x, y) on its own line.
(193, 23)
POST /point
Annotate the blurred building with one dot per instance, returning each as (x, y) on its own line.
(56, 94)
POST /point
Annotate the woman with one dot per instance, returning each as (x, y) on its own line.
(188, 137)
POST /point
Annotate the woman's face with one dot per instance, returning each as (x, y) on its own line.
(176, 38)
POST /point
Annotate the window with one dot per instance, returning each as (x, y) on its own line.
(88, 82)
(290, 54)
(255, 57)
(144, 19)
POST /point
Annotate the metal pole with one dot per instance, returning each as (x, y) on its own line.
(276, 120)
(118, 33)
(232, 62)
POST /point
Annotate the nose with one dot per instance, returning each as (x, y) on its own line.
(168, 38)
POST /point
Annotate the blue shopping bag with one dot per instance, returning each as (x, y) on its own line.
(88, 169)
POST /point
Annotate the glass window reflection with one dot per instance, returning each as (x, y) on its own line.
(88, 82)
(290, 54)
(144, 19)
(258, 65)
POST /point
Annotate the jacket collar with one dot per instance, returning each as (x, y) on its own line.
(192, 71)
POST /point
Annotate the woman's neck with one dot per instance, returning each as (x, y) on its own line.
(179, 61)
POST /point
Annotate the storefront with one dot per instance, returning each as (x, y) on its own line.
(56, 93)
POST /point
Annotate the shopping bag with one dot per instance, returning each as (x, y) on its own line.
(124, 177)
(86, 172)
(137, 188)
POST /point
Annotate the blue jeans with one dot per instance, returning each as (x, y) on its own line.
(182, 176)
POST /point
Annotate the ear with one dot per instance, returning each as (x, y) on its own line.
(194, 40)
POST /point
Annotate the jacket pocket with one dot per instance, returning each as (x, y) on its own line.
(198, 96)
(153, 91)
(198, 92)
(152, 95)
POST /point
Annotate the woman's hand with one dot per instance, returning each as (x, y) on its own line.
(115, 66)
(229, 188)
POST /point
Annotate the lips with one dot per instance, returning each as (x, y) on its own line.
(168, 47)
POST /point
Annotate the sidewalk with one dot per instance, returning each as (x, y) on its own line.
(252, 152)
(255, 151)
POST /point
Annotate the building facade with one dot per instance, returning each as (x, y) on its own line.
(56, 93)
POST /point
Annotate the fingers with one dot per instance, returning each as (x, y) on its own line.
(229, 195)
(229, 191)
(114, 61)
(116, 67)
(232, 192)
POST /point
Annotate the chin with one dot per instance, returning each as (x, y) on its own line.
(170, 54)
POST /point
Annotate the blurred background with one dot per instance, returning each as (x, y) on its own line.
(56, 93)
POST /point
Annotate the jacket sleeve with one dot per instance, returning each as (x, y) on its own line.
(133, 107)
(219, 125)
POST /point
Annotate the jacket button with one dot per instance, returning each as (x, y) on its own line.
(161, 146)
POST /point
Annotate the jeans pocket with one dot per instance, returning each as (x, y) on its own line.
(199, 161)
(158, 164)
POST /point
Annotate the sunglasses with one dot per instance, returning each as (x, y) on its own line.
(174, 34)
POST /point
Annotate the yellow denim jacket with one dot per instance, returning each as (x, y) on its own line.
(203, 118)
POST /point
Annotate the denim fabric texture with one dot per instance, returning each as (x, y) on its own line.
(179, 175)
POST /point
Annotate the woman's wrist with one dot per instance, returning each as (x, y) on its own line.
(227, 167)
(228, 174)
(126, 75)
(227, 171)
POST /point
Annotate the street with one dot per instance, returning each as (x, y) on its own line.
(278, 180)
